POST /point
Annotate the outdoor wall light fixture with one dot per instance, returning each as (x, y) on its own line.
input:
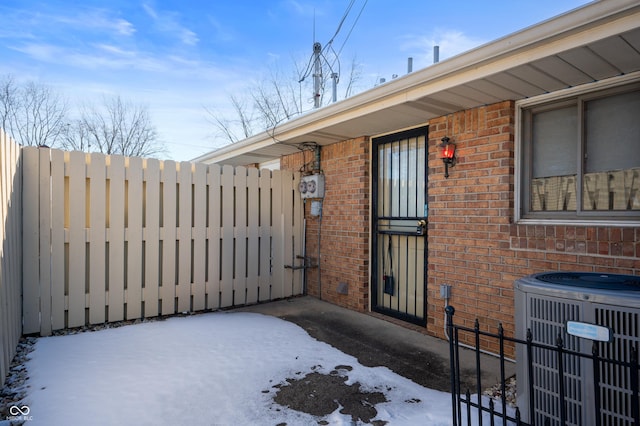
(447, 154)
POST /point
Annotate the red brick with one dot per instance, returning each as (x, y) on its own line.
(473, 244)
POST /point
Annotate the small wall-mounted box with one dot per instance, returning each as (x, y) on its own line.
(445, 291)
(312, 186)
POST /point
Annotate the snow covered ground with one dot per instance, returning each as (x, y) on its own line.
(209, 369)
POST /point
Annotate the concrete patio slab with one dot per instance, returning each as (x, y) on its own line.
(375, 341)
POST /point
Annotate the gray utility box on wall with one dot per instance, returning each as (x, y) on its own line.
(544, 303)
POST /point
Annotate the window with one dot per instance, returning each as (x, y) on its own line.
(580, 156)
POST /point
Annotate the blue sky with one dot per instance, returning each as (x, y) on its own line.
(178, 57)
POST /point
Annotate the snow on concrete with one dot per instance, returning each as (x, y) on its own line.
(209, 369)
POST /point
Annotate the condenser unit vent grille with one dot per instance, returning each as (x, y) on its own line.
(547, 321)
(615, 397)
(544, 304)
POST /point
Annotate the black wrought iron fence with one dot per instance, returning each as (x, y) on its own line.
(555, 385)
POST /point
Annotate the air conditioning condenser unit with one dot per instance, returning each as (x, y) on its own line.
(544, 304)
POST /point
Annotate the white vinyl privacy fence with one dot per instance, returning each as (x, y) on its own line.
(10, 252)
(110, 238)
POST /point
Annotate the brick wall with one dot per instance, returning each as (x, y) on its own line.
(469, 218)
(344, 224)
(474, 245)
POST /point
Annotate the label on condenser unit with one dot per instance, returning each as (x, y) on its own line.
(589, 331)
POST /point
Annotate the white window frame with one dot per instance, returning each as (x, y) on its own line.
(560, 95)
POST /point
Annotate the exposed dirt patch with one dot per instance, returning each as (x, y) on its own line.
(321, 394)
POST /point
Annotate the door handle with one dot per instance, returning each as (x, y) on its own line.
(422, 227)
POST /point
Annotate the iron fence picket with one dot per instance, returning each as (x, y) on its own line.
(562, 355)
(530, 370)
(503, 379)
(476, 332)
(635, 399)
(449, 310)
(596, 379)
(561, 382)
(458, 372)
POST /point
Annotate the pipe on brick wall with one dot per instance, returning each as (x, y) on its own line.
(316, 168)
(319, 262)
(316, 162)
(304, 255)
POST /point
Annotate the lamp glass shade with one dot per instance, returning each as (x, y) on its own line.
(448, 150)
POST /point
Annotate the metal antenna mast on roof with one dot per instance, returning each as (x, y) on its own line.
(317, 68)
(317, 74)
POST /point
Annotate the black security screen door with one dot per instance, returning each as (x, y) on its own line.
(399, 205)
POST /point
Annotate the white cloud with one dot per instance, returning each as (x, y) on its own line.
(93, 20)
(39, 51)
(124, 27)
(115, 50)
(188, 37)
(28, 24)
(150, 11)
(168, 22)
(101, 57)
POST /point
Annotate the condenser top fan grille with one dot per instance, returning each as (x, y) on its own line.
(592, 280)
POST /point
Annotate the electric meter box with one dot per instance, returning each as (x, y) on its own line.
(312, 186)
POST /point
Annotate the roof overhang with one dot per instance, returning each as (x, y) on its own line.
(595, 42)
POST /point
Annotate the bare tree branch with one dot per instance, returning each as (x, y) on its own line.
(75, 137)
(274, 100)
(116, 127)
(242, 125)
(9, 99)
(355, 75)
(33, 114)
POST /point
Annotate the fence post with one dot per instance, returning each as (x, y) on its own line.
(450, 310)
